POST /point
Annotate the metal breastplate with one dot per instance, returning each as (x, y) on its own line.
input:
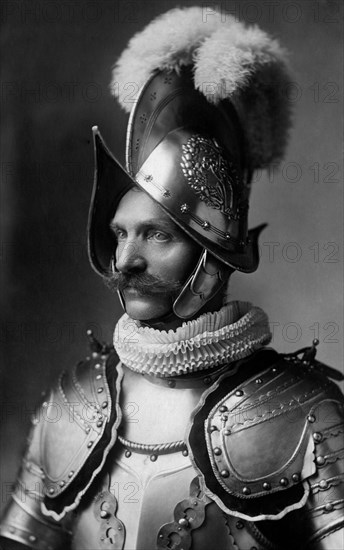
(144, 501)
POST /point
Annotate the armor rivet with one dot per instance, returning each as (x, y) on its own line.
(51, 491)
(171, 383)
(32, 538)
(239, 393)
(71, 474)
(183, 522)
(185, 452)
(320, 460)
(217, 451)
(98, 377)
(213, 428)
(317, 437)
(100, 390)
(274, 370)
(266, 486)
(259, 381)
(284, 481)
(224, 473)
(329, 507)
(311, 418)
(184, 208)
(161, 536)
(223, 409)
(227, 432)
(62, 484)
(179, 528)
(239, 525)
(228, 237)
(90, 443)
(127, 454)
(99, 424)
(195, 503)
(104, 514)
(153, 458)
(323, 484)
(207, 381)
(246, 491)
(45, 404)
(295, 477)
(12, 530)
(206, 225)
(102, 538)
(119, 528)
(97, 365)
(87, 429)
(104, 404)
(95, 354)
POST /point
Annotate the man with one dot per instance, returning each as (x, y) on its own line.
(236, 446)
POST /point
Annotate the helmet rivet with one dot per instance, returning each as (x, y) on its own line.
(206, 225)
(184, 208)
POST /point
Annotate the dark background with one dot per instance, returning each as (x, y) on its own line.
(57, 58)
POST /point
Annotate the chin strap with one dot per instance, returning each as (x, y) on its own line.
(205, 281)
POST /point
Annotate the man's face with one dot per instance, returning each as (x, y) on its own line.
(149, 243)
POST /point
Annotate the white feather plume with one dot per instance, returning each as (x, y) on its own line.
(231, 61)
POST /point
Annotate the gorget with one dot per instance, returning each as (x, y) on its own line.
(211, 340)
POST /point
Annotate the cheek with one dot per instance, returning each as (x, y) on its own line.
(178, 264)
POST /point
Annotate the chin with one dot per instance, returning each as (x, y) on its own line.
(144, 308)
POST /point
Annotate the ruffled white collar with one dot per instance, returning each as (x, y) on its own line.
(211, 340)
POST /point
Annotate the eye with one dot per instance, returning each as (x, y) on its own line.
(119, 234)
(159, 236)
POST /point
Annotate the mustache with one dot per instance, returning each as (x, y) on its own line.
(144, 283)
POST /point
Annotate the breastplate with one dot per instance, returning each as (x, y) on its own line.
(143, 501)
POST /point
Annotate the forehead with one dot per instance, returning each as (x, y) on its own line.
(137, 207)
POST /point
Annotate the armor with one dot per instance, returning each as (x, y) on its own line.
(81, 462)
(191, 149)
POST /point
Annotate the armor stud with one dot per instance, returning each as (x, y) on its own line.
(239, 393)
(153, 458)
(227, 432)
(284, 482)
(171, 383)
(246, 491)
(87, 429)
(185, 452)
(323, 484)
(104, 514)
(51, 491)
(97, 365)
(183, 522)
(223, 409)
(213, 428)
(217, 451)
(206, 225)
(89, 444)
(104, 404)
(239, 524)
(62, 484)
(295, 477)
(311, 418)
(207, 380)
(98, 377)
(185, 208)
(320, 460)
(259, 381)
(224, 473)
(266, 486)
(71, 473)
(32, 538)
(99, 423)
(100, 390)
(329, 507)
(127, 454)
(317, 436)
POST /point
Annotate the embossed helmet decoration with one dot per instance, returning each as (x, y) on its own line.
(210, 109)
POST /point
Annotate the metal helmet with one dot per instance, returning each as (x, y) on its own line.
(192, 150)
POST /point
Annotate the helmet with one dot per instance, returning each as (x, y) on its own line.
(209, 111)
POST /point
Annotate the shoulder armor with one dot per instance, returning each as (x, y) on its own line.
(253, 437)
(76, 425)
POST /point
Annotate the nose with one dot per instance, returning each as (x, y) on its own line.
(129, 259)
